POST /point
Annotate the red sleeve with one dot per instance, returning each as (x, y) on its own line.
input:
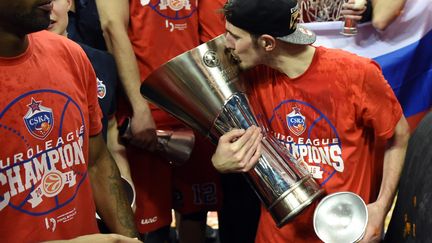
(380, 107)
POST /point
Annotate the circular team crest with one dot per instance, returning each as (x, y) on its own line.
(310, 137)
(51, 165)
(181, 9)
(52, 183)
(176, 5)
(210, 59)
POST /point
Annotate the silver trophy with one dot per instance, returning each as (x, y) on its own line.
(350, 27)
(201, 88)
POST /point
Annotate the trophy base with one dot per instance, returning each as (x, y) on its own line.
(349, 31)
(293, 201)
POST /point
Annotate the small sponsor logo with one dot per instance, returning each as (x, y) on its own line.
(50, 224)
(149, 220)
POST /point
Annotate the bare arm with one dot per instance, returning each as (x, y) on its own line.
(108, 193)
(393, 163)
(385, 11)
(118, 151)
(98, 238)
(114, 17)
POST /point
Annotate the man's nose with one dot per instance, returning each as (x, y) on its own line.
(229, 41)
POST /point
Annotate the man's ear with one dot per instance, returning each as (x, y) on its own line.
(70, 4)
(268, 42)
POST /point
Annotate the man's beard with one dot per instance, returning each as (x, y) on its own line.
(25, 23)
(232, 56)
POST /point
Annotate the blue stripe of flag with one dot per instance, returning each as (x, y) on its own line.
(409, 72)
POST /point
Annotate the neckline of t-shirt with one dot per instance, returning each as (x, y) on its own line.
(10, 61)
(311, 65)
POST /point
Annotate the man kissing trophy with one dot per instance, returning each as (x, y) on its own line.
(202, 89)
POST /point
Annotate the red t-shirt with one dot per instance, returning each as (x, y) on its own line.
(211, 19)
(160, 30)
(48, 95)
(333, 117)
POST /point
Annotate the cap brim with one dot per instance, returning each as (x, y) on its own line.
(300, 36)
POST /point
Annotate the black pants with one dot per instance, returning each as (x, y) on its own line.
(239, 215)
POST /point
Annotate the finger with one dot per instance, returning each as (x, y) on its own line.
(254, 159)
(354, 7)
(247, 148)
(354, 17)
(369, 234)
(250, 149)
(352, 12)
(348, 12)
(243, 140)
(231, 135)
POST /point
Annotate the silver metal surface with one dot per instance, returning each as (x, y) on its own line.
(201, 88)
(350, 27)
(129, 190)
(341, 217)
(175, 145)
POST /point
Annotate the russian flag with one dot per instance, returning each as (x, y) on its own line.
(404, 51)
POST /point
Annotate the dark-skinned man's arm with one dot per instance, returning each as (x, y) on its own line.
(110, 198)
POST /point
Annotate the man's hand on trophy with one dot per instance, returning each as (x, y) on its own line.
(143, 130)
(238, 150)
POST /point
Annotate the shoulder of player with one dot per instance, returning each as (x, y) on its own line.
(338, 59)
(49, 43)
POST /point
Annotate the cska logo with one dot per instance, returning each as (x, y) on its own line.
(296, 121)
(175, 5)
(39, 120)
(101, 89)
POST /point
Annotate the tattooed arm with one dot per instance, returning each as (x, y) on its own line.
(110, 199)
